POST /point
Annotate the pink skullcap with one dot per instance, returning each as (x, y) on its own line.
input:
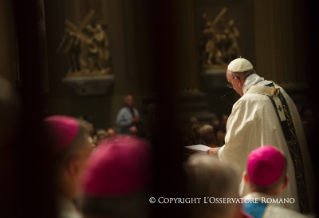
(64, 129)
(119, 166)
(265, 165)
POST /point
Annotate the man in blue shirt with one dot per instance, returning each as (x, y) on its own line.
(128, 116)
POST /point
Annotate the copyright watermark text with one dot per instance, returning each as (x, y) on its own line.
(213, 200)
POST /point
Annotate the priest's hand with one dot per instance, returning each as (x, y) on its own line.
(212, 151)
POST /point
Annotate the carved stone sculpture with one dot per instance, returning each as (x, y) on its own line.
(219, 43)
(86, 48)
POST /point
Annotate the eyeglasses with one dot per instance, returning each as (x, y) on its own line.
(229, 84)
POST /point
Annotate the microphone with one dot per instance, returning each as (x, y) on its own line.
(222, 97)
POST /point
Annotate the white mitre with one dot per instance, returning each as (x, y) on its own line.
(240, 65)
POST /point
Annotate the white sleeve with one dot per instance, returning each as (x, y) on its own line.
(242, 135)
(220, 150)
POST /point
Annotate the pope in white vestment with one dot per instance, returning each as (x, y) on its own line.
(254, 122)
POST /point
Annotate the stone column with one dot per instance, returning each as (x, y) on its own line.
(275, 42)
(187, 61)
(6, 42)
(191, 101)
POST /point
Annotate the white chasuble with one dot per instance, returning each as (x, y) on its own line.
(254, 122)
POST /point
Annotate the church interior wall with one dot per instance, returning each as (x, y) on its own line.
(101, 110)
(214, 85)
(271, 37)
(27, 178)
(7, 69)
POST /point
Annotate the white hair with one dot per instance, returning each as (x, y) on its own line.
(207, 176)
(205, 128)
(101, 132)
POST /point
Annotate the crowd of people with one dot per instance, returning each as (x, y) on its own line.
(257, 164)
(128, 122)
(260, 154)
(114, 179)
(211, 134)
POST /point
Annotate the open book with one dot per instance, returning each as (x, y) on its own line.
(198, 148)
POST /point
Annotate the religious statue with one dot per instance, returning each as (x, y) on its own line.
(219, 42)
(86, 48)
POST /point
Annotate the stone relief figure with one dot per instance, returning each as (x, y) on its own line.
(72, 48)
(233, 49)
(86, 48)
(219, 42)
(103, 47)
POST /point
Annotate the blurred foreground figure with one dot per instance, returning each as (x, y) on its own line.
(71, 150)
(266, 177)
(116, 180)
(265, 114)
(9, 111)
(9, 117)
(212, 179)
